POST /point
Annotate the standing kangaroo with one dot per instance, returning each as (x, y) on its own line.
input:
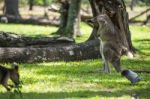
(111, 44)
(9, 73)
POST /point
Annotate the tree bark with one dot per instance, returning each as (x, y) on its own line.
(31, 3)
(12, 9)
(88, 50)
(132, 4)
(8, 39)
(95, 11)
(73, 21)
(70, 19)
(64, 15)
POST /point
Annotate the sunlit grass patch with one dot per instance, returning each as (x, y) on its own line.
(28, 30)
(77, 80)
(38, 31)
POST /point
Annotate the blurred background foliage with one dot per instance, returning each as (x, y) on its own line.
(41, 2)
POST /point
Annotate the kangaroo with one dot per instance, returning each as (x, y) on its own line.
(111, 45)
(9, 73)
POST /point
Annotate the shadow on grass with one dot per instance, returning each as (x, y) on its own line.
(142, 40)
(136, 64)
(65, 68)
(144, 44)
(88, 69)
(85, 73)
(141, 93)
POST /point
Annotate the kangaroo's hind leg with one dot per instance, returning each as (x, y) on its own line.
(106, 68)
(117, 65)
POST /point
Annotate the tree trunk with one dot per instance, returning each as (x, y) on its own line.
(116, 10)
(95, 11)
(12, 9)
(70, 18)
(63, 18)
(73, 21)
(46, 3)
(31, 3)
(132, 4)
(88, 50)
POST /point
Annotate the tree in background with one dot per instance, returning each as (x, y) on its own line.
(135, 2)
(63, 16)
(45, 3)
(11, 9)
(70, 18)
(31, 3)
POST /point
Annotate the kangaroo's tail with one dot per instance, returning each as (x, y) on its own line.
(127, 52)
(130, 54)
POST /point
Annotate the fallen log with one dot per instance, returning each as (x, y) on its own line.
(33, 21)
(82, 51)
(8, 39)
(133, 18)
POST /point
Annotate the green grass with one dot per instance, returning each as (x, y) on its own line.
(59, 80)
(28, 30)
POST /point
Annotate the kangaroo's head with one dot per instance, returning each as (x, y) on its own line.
(103, 23)
(99, 20)
(14, 76)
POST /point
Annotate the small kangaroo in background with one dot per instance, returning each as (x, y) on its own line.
(9, 73)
